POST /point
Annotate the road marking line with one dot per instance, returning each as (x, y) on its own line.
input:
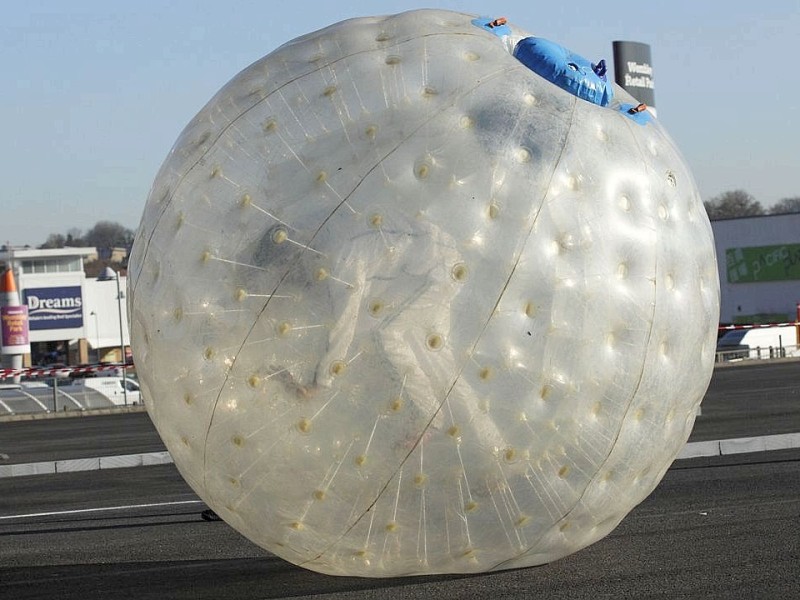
(57, 513)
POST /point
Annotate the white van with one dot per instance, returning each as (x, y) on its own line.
(757, 342)
(110, 387)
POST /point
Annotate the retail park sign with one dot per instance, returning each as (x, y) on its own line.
(763, 263)
(54, 308)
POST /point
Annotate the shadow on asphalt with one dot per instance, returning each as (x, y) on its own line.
(243, 579)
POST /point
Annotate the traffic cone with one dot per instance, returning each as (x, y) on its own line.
(9, 296)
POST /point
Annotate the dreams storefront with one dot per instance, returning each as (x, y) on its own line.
(73, 319)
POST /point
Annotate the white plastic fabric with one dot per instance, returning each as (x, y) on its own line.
(399, 305)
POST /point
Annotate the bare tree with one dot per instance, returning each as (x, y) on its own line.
(54, 240)
(74, 237)
(785, 206)
(107, 234)
(735, 203)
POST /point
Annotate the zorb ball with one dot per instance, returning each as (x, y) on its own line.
(423, 294)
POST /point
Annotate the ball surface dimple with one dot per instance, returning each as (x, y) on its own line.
(403, 306)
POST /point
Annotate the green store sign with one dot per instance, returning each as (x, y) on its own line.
(763, 263)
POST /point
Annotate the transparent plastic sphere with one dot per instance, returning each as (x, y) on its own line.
(400, 305)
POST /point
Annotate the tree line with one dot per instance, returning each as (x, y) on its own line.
(104, 234)
(738, 203)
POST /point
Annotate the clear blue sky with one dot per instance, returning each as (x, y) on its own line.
(95, 93)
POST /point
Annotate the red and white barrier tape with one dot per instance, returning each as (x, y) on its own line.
(758, 326)
(60, 371)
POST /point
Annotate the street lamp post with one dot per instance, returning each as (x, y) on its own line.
(96, 336)
(107, 275)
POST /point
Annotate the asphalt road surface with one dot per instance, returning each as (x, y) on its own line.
(751, 399)
(722, 527)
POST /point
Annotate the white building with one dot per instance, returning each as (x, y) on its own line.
(759, 268)
(81, 319)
